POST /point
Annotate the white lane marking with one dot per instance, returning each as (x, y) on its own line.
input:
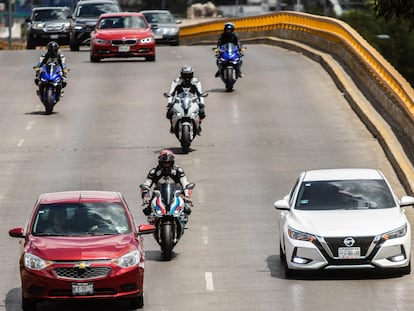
(209, 281)
(20, 142)
(235, 118)
(29, 125)
(204, 235)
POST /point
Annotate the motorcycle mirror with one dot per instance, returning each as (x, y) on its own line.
(167, 95)
(205, 94)
(190, 186)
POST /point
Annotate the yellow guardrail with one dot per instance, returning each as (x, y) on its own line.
(327, 28)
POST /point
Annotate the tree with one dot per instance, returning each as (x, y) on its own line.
(394, 9)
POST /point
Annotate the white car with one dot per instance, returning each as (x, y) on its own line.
(343, 219)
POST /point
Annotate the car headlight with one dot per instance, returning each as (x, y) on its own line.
(38, 25)
(396, 233)
(301, 236)
(146, 40)
(78, 27)
(128, 260)
(35, 263)
(101, 41)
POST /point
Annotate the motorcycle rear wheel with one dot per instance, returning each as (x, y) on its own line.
(167, 241)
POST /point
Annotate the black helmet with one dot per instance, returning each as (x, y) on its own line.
(166, 159)
(53, 48)
(229, 26)
(187, 73)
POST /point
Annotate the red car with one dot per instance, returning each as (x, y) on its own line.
(81, 245)
(124, 34)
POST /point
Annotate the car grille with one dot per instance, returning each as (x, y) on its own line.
(54, 27)
(363, 242)
(124, 42)
(87, 273)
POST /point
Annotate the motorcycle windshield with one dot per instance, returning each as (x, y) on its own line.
(186, 98)
(168, 193)
(51, 71)
(229, 52)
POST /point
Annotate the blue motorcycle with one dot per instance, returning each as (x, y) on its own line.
(229, 61)
(50, 82)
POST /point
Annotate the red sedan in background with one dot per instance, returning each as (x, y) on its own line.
(124, 34)
(81, 245)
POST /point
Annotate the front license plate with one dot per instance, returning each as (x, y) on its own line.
(82, 289)
(123, 48)
(349, 252)
(54, 36)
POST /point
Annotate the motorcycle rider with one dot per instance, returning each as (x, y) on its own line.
(186, 80)
(165, 168)
(52, 55)
(229, 36)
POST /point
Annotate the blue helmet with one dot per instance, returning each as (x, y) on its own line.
(229, 26)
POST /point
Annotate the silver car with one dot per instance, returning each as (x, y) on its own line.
(164, 26)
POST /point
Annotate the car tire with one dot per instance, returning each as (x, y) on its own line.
(74, 47)
(30, 45)
(150, 58)
(94, 59)
(28, 304)
(137, 302)
(282, 255)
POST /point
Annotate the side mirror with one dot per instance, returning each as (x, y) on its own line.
(27, 19)
(190, 186)
(17, 233)
(178, 21)
(205, 94)
(166, 95)
(406, 201)
(146, 229)
(282, 205)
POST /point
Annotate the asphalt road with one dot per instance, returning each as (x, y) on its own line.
(284, 116)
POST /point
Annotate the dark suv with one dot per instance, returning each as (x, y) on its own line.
(84, 18)
(47, 24)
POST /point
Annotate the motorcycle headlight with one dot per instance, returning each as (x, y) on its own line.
(146, 40)
(301, 236)
(396, 233)
(34, 262)
(128, 260)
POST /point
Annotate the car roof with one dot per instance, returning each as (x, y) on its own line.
(83, 2)
(38, 8)
(79, 196)
(342, 174)
(155, 11)
(120, 14)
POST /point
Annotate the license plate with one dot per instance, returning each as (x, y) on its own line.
(123, 48)
(54, 36)
(82, 289)
(158, 36)
(349, 252)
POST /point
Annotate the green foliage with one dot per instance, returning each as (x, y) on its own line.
(392, 39)
(394, 9)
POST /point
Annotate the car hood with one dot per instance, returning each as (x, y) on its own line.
(82, 248)
(123, 33)
(347, 222)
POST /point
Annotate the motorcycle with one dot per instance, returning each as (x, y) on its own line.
(229, 60)
(50, 82)
(185, 117)
(168, 204)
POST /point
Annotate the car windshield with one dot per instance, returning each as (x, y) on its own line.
(49, 15)
(96, 9)
(75, 219)
(344, 194)
(160, 18)
(136, 22)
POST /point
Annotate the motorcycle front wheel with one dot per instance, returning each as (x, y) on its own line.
(167, 241)
(229, 78)
(185, 138)
(49, 100)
